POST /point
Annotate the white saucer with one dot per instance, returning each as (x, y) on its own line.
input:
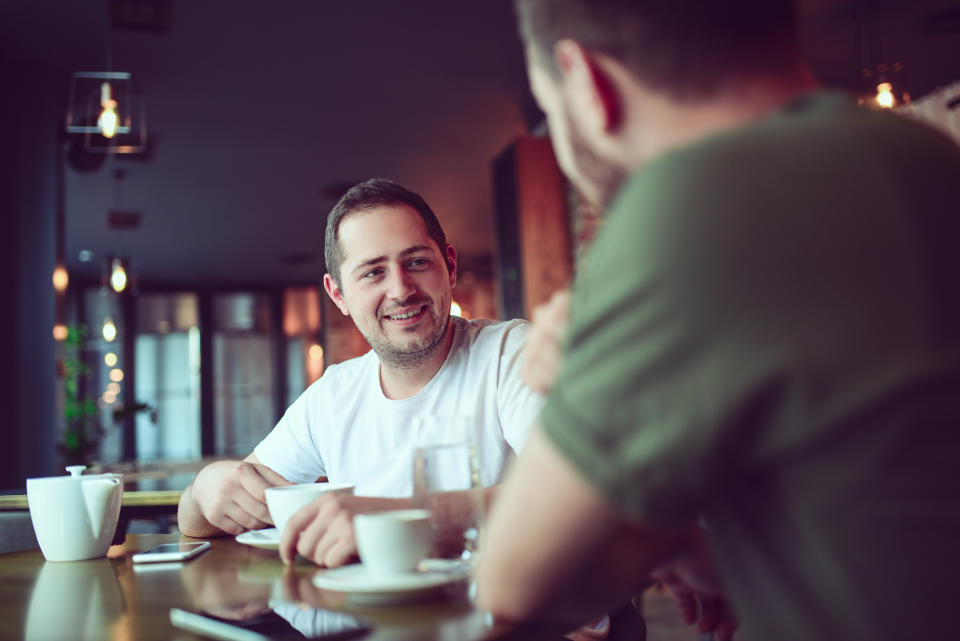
(267, 539)
(355, 580)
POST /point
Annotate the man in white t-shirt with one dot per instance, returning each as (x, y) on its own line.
(392, 271)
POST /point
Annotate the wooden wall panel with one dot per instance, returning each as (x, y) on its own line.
(533, 228)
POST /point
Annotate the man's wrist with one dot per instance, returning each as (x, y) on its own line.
(190, 518)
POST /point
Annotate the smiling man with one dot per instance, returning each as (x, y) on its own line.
(392, 271)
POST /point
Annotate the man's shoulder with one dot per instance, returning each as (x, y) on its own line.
(482, 332)
(484, 343)
(813, 152)
(818, 130)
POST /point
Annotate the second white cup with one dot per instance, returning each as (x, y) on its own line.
(284, 500)
(393, 542)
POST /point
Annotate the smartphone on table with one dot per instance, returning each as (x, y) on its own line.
(172, 552)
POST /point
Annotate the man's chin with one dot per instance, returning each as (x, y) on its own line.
(403, 355)
(414, 349)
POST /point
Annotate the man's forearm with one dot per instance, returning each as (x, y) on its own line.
(555, 549)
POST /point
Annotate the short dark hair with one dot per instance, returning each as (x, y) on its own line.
(376, 192)
(686, 48)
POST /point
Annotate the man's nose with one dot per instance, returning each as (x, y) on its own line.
(400, 284)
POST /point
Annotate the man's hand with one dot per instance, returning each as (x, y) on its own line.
(322, 530)
(691, 579)
(542, 354)
(227, 497)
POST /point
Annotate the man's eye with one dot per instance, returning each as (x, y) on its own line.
(373, 273)
(419, 262)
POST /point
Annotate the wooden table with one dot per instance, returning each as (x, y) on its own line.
(113, 599)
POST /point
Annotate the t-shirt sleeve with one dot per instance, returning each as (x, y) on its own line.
(656, 365)
(289, 449)
(518, 405)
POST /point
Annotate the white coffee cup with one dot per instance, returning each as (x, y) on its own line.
(284, 500)
(393, 542)
(75, 517)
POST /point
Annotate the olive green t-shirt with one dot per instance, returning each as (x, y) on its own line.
(767, 334)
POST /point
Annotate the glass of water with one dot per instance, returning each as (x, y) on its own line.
(446, 481)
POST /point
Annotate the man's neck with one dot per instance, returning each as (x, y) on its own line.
(400, 383)
(663, 124)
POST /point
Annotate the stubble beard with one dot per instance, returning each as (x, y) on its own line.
(412, 355)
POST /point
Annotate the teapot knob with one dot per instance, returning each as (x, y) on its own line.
(76, 470)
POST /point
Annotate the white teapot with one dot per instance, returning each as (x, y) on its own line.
(75, 516)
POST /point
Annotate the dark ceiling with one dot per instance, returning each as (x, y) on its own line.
(259, 112)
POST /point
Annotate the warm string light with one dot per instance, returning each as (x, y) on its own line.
(885, 98)
(889, 90)
(60, 281)
(314, 364)
(60, 278)
(109, 330)
(59, 332)
(118, 275)
(112, 391)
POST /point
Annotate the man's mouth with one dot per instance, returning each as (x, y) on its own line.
(410, 313)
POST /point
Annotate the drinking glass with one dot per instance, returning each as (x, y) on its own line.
(446, 481)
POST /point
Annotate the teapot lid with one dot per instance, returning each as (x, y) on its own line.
(75, 475)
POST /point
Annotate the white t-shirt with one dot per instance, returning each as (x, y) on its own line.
(344, 428)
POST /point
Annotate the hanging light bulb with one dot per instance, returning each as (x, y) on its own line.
(59, 332)
(109, 330)
(885, 97)
(60, 278)
(455, 309)
(108, 120)
(118, 275)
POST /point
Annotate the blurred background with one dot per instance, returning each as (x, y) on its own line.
(163, 284)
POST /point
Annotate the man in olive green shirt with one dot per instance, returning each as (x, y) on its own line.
(767, 334)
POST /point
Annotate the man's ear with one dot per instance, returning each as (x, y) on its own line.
(451, 258)
(588, 85)
(333, 290)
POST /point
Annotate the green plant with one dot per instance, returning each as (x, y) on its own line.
(84, 431)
